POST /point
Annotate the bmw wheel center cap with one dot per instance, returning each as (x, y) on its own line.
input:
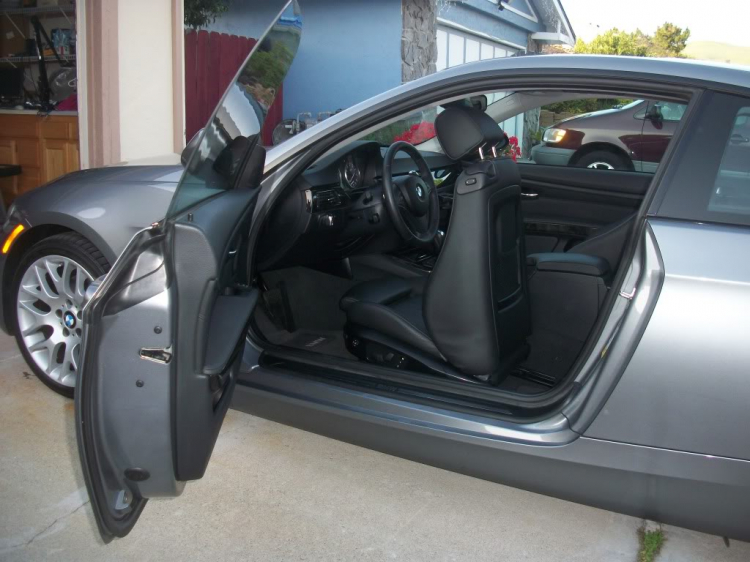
(70, 320)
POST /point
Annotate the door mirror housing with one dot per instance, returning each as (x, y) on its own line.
(187, 152)
(654, 113)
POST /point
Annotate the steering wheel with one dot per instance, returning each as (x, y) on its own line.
(411, 200)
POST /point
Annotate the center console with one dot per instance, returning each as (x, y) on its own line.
(566, 291)
(423, 257)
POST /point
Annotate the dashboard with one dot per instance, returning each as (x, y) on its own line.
(351, 171)
(334, 208)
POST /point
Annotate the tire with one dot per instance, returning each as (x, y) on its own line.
(603, 160)
(48, 308)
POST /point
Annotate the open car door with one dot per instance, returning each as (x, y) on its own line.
(164, 331)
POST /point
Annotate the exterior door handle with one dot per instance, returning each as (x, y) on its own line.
(529, 194)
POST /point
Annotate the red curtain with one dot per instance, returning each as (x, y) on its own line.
(211, 61)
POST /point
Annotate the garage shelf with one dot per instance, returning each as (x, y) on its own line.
(66, 9)
(26, 59)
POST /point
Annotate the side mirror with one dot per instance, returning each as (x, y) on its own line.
(654, 113)
(187, 152)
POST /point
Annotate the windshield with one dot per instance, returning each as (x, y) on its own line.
(234, 130)
(415, 129)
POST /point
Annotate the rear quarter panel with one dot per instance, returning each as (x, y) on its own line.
(687, 387)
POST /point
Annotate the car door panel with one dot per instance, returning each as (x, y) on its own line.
(205, 254)
(565, 205)
(143, 299)
(164, 331)
(166, 388)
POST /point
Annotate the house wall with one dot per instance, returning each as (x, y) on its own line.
(350, 49)
(419, 39)
(131, 88)
(145, 86)
(484, 16)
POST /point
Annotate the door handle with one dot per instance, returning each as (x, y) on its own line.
(529, 194)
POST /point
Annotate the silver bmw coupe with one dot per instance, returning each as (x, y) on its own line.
(398, 276)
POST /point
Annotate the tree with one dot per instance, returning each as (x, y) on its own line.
(615, 42)
(199, 13)
(669, 41)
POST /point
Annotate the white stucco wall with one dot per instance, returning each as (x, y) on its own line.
(145, 80)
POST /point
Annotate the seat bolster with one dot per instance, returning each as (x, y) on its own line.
(378, 291)
(385, 320)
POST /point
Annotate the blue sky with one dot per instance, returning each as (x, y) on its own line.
(727, 21)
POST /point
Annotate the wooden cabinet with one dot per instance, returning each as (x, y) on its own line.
(45, 146)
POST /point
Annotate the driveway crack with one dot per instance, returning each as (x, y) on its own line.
(55, 522)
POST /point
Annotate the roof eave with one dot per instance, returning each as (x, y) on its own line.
(564, 26)
(552, 38)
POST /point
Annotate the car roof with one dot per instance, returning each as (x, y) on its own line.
(686, 69)
(698, 73)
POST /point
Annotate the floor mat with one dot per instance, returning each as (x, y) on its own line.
(325, 342)
(313, 297)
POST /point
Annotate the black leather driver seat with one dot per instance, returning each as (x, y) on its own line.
(471, 316)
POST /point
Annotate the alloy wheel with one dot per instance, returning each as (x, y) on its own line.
(601, 166)
(49, 305)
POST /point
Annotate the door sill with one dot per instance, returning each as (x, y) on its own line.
(418, 387)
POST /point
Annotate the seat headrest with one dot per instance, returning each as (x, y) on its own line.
(462, 130)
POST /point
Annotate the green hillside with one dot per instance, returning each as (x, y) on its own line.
(717, 52)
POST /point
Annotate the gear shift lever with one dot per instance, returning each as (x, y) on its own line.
(437, 242)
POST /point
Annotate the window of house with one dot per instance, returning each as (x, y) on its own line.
(457, 47)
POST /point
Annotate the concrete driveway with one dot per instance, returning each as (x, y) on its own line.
(276, 493)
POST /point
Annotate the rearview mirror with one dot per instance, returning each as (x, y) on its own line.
(479, 102)
(187, 152)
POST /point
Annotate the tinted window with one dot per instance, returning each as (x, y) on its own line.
(731, 192)
(710, 179)
(234, 130)
(595, 133)
(671, 111)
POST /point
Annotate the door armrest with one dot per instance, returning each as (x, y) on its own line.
(580, 264)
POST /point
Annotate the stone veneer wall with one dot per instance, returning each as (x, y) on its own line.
(418, 38)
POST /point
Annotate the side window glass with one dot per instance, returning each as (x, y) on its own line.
(595, 133)
(709, 179)
(659, 120)
(731, 189)
(670, 111)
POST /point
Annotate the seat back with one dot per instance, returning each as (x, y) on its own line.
(476, 305)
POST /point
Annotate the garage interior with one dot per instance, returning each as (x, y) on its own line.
(38, 94)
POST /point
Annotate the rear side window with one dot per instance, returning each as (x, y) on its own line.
(709, 179)
(731, 192)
